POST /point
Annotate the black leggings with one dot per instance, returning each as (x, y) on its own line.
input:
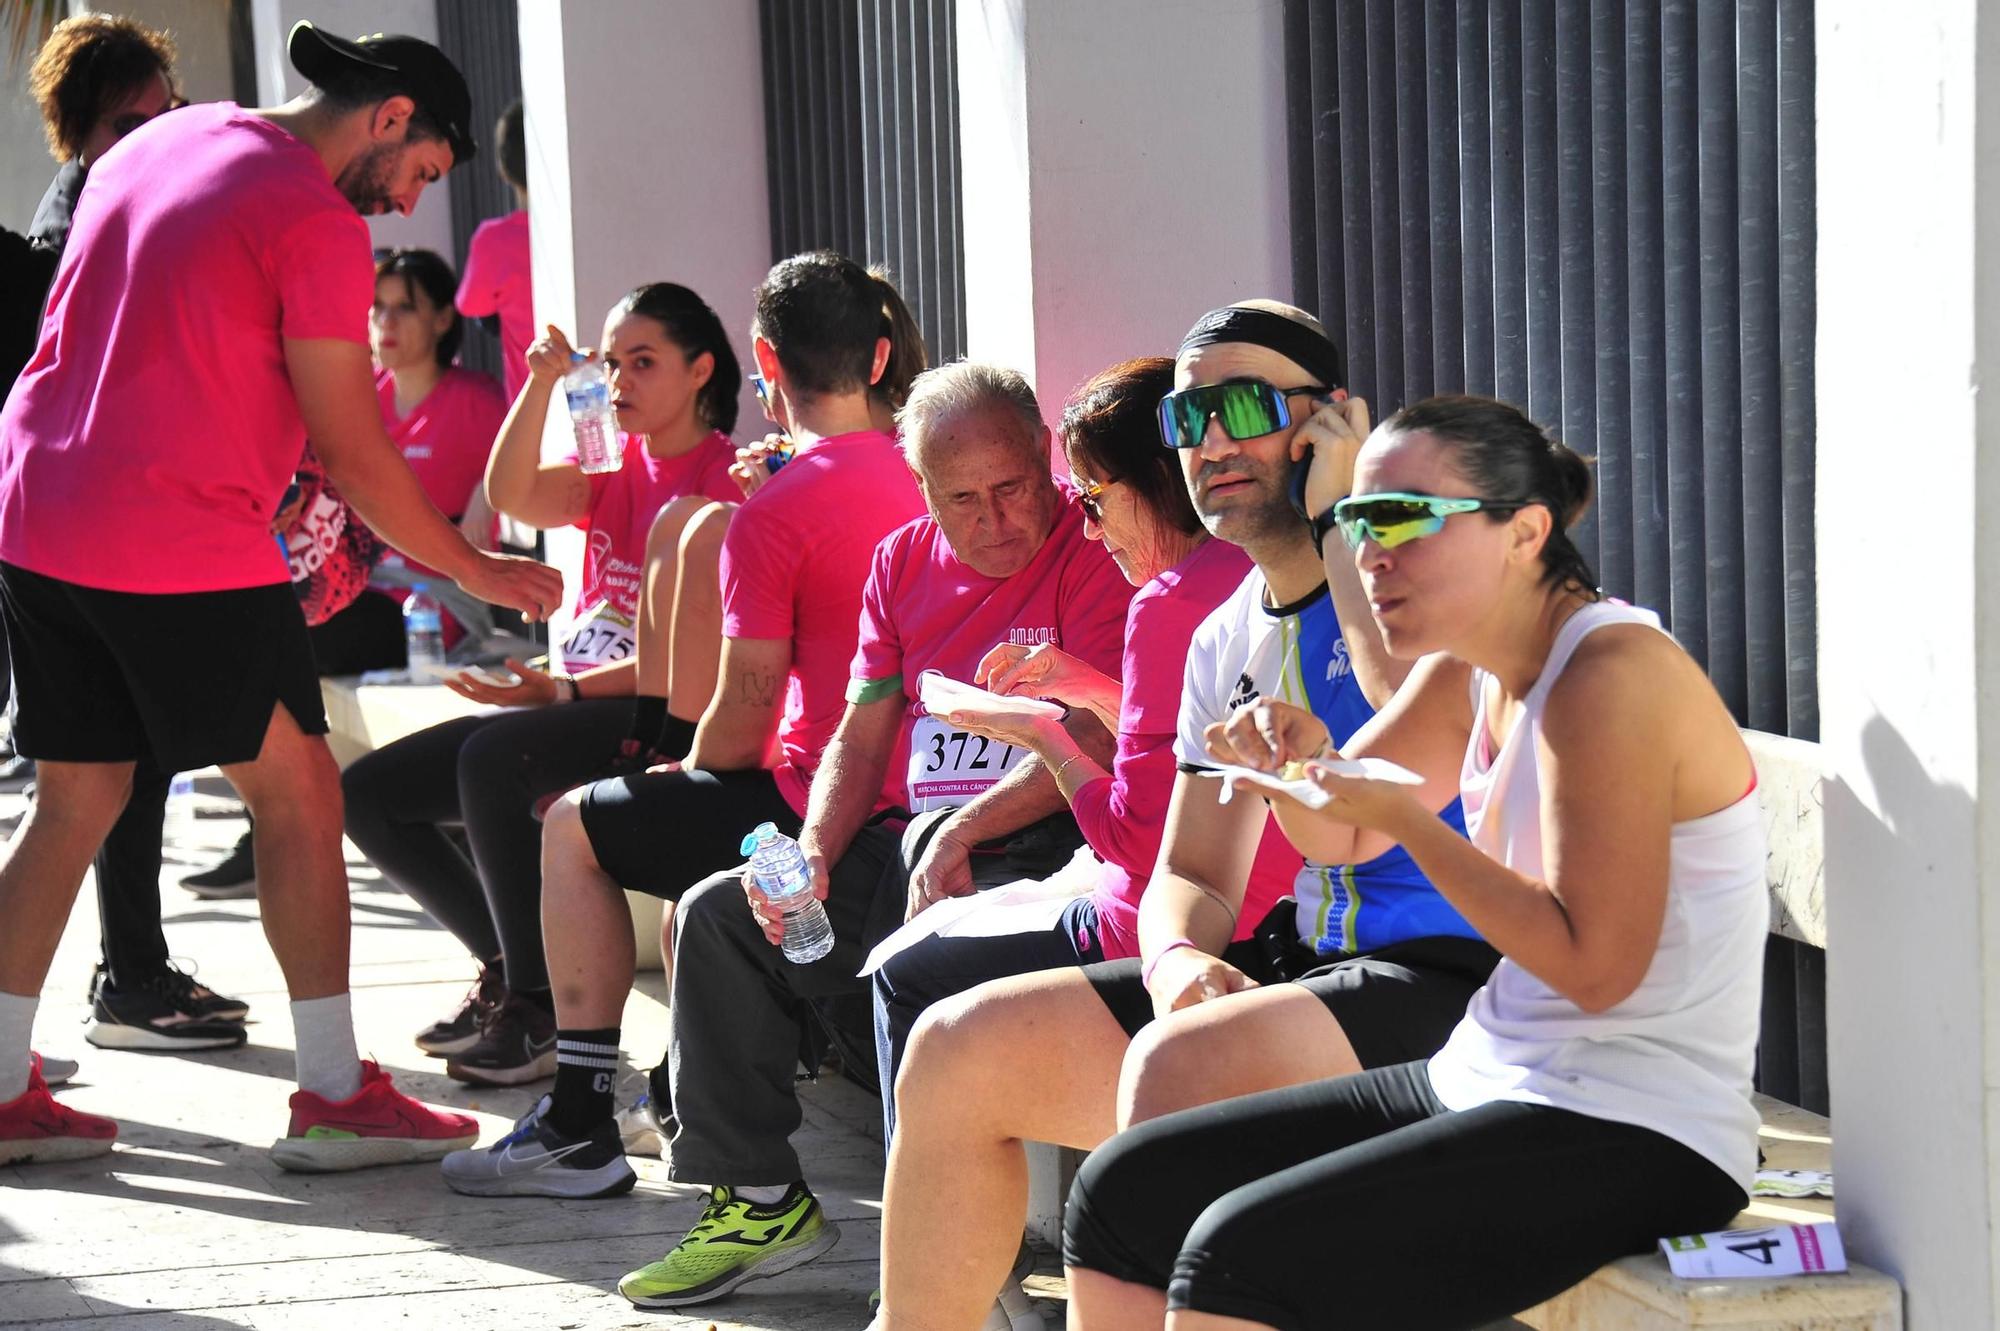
(485, 772)
(1364, 1201)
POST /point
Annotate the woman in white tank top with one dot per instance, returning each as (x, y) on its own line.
(1597, 1094)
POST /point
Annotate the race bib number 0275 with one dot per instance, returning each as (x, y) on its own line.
(600, 638)
(948, 766)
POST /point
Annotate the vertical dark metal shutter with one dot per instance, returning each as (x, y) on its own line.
(861, 114)
(483, 38)
(1601, 210)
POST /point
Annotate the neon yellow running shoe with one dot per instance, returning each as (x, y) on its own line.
(735, 1241)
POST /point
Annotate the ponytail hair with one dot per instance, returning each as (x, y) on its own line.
(693, 327)
(908, 355)
(1506, 456)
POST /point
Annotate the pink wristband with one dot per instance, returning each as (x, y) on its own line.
(1146, 971)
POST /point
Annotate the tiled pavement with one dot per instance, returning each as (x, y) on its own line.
(189, 1224)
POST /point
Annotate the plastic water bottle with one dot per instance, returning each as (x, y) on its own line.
(780, 868)
(592, 416)
(179, 827)
(423, 631)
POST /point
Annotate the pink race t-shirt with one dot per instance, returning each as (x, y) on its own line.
(448, 436)
(623, 504)
(497, 281)
(925, 610)
(1124, 816)
(793, 565)
(146, 445)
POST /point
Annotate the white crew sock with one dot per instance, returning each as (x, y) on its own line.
(17, 1030)
(323, 1033)
(763, 1196)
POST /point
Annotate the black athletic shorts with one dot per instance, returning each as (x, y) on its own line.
(662, 832)
(188, 679)
(1395, 1004)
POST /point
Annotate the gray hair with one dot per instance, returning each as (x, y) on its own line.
(960, 387)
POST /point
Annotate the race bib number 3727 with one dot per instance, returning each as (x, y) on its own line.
(948, 767)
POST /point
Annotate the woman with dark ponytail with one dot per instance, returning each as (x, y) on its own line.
(674, 383)
(1614, 853)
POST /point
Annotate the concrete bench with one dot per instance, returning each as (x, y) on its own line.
(1638, 1293)
(364, 717)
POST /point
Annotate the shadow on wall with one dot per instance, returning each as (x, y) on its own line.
(1940, 1004)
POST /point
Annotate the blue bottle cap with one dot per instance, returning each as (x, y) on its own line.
(761, 832)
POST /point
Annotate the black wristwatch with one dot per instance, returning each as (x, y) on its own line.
(1320, 526)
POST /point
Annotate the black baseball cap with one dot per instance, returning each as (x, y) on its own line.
(425, 73)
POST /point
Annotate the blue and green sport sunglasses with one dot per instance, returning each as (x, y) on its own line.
(1395, 518)
(1247, 408)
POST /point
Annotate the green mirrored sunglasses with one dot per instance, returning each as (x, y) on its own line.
(1247, 408)
(1395, 518)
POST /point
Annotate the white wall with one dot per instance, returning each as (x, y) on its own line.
(1909, 648)
(25, 165)
(429, 227)
(1124, 169)
(645, 126)
(200, 29)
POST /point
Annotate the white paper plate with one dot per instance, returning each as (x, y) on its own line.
(1305, 792)
(942, 695)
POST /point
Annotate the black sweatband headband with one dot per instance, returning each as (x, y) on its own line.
(1288, 337)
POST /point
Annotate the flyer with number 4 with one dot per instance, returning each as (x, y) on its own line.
(1783, 1250)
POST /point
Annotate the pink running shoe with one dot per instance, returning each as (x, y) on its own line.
(36, 1128)
(377, 1125)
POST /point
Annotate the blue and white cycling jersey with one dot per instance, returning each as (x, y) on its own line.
(1245, 650)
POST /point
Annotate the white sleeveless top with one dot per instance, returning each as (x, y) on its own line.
(1676, 1055)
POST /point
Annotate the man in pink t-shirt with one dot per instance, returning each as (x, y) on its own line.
(210, 311)
(498, 282)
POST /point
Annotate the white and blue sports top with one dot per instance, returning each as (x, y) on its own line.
(1247, 649)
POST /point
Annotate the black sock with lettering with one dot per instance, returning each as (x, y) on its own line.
(675, 739)
(648, 715)
(586, 1067)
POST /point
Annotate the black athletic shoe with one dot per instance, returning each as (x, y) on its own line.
(234, 878)
(163, 1011)
(460, 1031)
(516, 1044)
(192, 995)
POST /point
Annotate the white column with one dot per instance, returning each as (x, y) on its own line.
(1124, 170)
(645, 127)
(1909, 650)
(429, 227)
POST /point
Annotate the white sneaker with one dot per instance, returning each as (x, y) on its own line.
(640, 1127)
(1012, 1311)
(56, 1071)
